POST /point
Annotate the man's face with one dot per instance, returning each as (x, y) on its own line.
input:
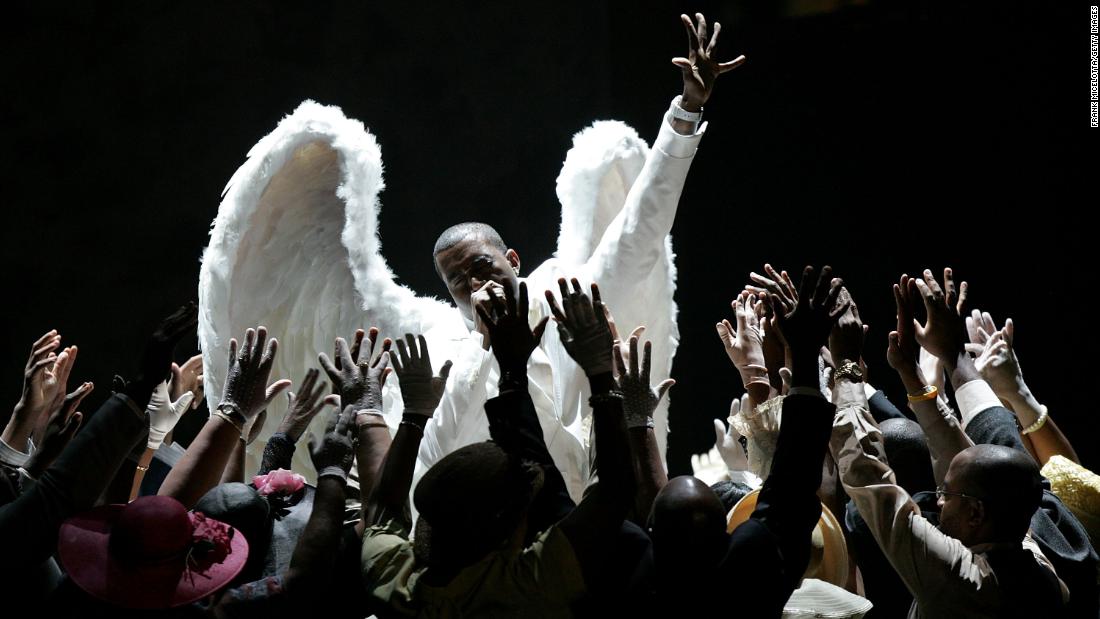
(959, 516)
(469, 264)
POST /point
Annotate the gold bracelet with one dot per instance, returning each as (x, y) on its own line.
(228, 419)
(141, 468)
(1038, 422)
(931, 392)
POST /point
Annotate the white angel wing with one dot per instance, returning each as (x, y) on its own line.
(295, 248)
(592, 188)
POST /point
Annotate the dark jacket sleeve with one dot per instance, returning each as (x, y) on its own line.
(769, 553)
(881, 408)
(514, 425)
(29, 525)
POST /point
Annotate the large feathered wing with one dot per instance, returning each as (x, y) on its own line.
(597, 175)
(295, 248)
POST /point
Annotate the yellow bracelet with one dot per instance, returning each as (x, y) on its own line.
(931, 392)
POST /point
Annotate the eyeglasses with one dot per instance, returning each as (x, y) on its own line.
(941, 493)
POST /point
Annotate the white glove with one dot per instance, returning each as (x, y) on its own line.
(164, 413)
(726, 439)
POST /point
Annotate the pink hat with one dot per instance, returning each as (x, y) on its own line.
(151, 553)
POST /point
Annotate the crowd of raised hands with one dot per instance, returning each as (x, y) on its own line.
(809, 442)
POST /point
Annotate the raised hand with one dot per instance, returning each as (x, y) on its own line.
(944, 332)
(806, 328)
(336, 449)
(777, 284)
(420, 389)
(481, 300)
(699, 68)
(156, 362)
(164, 413)
(187, 377)
(745, 345)
(846, 338)
(304, 406)
(903, 352)
(60, 428)
(996, 360)
(583, 327)
(727, 438)
(356, 378)
(513, 339)
(639, 399)
(246, 388)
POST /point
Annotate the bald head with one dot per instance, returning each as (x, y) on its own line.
(907, 453)
(687, 524)
(1006, 480)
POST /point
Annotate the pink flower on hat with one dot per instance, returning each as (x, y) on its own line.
(279, 481)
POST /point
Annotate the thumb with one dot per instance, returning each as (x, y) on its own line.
(663, 388)
(540, 328)
(275, 389)
(719, 432)
(183, 403)
(71, 426)
(785, 375)
(445, 371)
(973, 349)
(176, 373)
(725, 332)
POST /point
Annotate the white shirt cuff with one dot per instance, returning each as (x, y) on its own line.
(12, 456)
(974, 397)
(750, 479)
(675, 144)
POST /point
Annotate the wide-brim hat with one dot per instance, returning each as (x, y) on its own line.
(817, 598)
(829, 551)
(149, 554)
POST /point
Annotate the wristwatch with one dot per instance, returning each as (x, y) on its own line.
(850, 371)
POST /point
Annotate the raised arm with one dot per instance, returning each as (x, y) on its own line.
(639, 402)
(246, 394)
(632, 243)
(586, 335)
(999, 366)
(945, 436)
(788, 506)
(421, 392)
(315, 553)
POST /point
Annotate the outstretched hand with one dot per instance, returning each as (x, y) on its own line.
(156, 362)
(420, 389)
(806, 328)
(996, 360)
(246, 388)
(583, 327)
(60, 428)
(303, 406)
(944, 332)
(513, 339)
(336, 449)
(745, 345)
(639, 399)
(700, 70)
(359, 378)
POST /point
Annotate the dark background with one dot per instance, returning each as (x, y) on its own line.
(880, 137)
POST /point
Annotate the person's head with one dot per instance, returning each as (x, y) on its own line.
(241, 507)
(688, 527)
(475, 501)
(907, 453)
(468, 255)
(989, 494)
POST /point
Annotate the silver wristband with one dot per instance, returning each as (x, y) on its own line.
(334, 471)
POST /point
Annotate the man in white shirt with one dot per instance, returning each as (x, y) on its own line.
(473, 260)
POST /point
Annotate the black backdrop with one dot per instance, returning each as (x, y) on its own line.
(880, 137)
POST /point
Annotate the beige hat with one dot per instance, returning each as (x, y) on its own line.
(817, 598)
(829, 552)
